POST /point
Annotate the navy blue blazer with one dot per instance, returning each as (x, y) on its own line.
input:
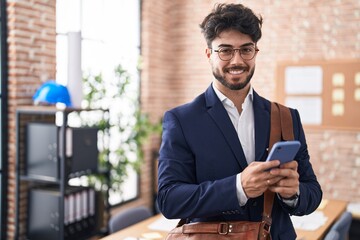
(200, 156)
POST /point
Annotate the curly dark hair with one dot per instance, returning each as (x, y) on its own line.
(231, 17)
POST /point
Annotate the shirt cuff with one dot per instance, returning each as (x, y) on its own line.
(240, 191)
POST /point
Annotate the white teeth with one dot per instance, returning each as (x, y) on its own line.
(236, 71)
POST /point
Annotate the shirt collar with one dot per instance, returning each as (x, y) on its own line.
(226, 100)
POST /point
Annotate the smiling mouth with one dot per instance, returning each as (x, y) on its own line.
(236, 71)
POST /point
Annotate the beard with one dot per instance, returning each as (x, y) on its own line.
(237, 86)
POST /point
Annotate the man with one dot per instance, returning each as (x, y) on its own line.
(212, 157)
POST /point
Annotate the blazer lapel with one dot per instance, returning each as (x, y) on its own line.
(262, 127)
(218, 113)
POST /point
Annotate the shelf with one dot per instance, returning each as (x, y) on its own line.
(52, 109)
(85, 173)
(49, 154)
(42, 179)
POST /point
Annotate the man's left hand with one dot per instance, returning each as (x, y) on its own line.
(288, 185)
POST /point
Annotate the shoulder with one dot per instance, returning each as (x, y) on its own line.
(266, 104)
(189, 108)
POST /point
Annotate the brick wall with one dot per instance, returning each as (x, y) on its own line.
(31, 46)
(175, 67)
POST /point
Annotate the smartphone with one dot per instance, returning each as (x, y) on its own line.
(284, 151)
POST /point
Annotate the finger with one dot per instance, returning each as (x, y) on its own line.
(287, 183)
(283, 191)
(273, 180)
(266, 176)
(291, 165)
(285, 188)
(264, 166)
(285, 173)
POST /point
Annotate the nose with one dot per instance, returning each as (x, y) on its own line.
(237, 57)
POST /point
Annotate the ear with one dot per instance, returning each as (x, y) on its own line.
(208, 52)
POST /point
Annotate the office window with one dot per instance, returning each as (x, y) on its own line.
(110, 35)
(327, 94)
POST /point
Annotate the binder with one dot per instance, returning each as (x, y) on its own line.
(44, 148)
(84, 150)
(42, 151)
(79, 221)
(43, 221)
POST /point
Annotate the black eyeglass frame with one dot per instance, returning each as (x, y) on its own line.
(218, 51)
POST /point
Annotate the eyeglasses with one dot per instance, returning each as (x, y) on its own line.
(246, 52)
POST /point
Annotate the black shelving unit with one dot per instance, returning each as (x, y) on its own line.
(43, 171)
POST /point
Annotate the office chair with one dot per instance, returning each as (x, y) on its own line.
(332, 235)
(342, 225)
(128, 217)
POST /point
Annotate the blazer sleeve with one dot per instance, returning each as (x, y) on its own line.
(180, 195)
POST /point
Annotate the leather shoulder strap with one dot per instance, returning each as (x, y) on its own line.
(287, 131)
(281, 124)
(281, 129)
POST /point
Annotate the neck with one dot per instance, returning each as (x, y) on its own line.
(236, 96)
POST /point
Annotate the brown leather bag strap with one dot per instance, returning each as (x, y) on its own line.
(286, 123)
(281, 124)
(264, 231)
(281, 129)
(279, 117)
(275, 125)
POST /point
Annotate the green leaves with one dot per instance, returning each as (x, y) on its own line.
(127, 127)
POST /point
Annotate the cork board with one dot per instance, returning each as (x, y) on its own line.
(327, 93)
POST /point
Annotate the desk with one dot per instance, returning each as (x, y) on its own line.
(137, 230)
(332, 210)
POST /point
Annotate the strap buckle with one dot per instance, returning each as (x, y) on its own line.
(223, 228)
(265, 226)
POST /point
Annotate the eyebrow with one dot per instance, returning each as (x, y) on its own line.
(244, 45)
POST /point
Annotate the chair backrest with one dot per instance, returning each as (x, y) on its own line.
(342, 225)
(332, 235)
(128, 217)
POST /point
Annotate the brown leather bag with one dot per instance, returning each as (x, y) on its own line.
(281, 129)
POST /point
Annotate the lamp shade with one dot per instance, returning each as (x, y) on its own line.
(51, 93)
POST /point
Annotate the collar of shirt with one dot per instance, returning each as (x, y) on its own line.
(226, 101)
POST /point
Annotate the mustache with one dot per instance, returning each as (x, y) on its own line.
(234, 68)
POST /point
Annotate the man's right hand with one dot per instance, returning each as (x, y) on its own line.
(255, 179)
